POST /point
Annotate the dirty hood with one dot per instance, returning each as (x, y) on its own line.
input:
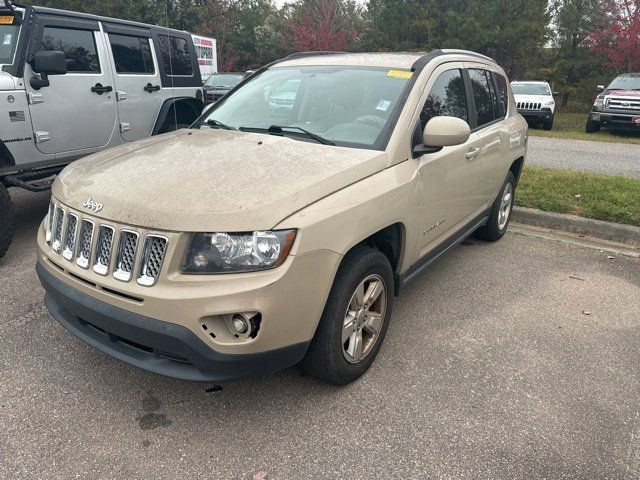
(211, 180)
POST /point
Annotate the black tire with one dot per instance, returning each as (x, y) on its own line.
(7, 220)
(492, 232)
(592, 127)
(325, 358)
(548, 125)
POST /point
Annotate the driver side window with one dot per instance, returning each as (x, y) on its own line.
(447, 97)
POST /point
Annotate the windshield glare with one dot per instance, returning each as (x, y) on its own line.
(625, 83)
(530, 89)
(346, 105)
(223, 80)
(8, 42)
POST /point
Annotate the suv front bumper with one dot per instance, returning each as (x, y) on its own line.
(537, 115)
(623, 119)
(160, 347)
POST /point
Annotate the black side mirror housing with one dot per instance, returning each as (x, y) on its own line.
(47, 63)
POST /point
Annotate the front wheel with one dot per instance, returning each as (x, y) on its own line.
(500, 214)
(7, 220)
(548, 124)
(592, 127)
(355, 318)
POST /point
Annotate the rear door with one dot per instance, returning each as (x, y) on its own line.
(137, 80)
(488, 132)
(77, 111)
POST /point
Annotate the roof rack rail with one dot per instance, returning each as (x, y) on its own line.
(466, 52)
(311, 54)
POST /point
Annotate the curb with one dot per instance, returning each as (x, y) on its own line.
(615, 232)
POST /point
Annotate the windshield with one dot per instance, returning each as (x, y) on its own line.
(227, 80)
(530, 89)
(8, 39)
(625, 83)
(343, 104)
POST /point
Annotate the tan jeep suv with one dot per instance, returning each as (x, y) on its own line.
(279, 227)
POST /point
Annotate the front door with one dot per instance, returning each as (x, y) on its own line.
(448, 180)
(77, 111)
(137, 81)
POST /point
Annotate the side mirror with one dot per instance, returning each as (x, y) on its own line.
(442, 132)
(600, 88)
(47, 63)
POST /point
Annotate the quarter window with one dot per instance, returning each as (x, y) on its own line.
(131, 54)
(447, 97)
(483, 96)
(79, 48)
(503, 94)
(176, 56)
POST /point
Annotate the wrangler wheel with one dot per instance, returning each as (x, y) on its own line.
(355, 318)
(7, 220)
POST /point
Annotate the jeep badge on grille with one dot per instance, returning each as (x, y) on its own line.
(91, 204)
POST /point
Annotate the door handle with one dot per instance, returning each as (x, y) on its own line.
(151, 88)
(472, 153)
(100, 89)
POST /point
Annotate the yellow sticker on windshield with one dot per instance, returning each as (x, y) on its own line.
(399, 73)
(6, 20)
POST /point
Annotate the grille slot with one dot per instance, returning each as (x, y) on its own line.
(155, 248)
(49, 223)
(69, 244)
(84, 246)
(103, 249)
(126, 255)
(58, 224)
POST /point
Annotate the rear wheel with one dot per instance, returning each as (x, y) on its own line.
(500, 214)
(592, 127)
(7, 220)
(355, 318)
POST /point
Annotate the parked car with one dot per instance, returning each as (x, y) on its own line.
(262, 237)
(617, 106)
(535, 102)
(72, 84)
(219, 84)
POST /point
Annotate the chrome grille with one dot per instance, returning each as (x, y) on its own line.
(529, 105)
(103, 250)
(623, 103)
(153, 254)
(84, 246)
(49, 222)
(126, 255)
(58, 223)
(68, 246)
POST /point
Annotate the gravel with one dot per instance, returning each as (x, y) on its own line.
(600, 157)
(490, 369)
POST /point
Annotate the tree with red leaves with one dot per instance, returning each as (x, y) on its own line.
(323, 25)
(618, 38)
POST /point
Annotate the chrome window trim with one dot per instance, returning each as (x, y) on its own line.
(99, 268)
(118, 273)
(143, 279)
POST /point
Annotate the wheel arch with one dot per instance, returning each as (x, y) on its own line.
(188, 103)
(516, 168)
(6, 159)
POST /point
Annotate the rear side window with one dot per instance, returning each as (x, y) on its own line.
(484, 96)
(176, 56)
(503, 94)
(447, 97)
(131, 54)
(79, 48)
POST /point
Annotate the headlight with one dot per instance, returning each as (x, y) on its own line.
(599, 103)
(237, 252)
(552, 102)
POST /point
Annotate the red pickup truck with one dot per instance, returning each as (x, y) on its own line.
(617, 106)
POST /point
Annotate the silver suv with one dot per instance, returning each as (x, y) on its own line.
(72, 84)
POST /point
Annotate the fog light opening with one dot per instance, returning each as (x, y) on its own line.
(244, 326)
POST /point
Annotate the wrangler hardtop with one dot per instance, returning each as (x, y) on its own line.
(72, 84)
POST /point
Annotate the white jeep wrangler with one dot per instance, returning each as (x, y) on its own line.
(72, 84)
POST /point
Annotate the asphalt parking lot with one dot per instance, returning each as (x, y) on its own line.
(510, 360)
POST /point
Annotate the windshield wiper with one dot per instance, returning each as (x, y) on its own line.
(280, 130)
(214, 124)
